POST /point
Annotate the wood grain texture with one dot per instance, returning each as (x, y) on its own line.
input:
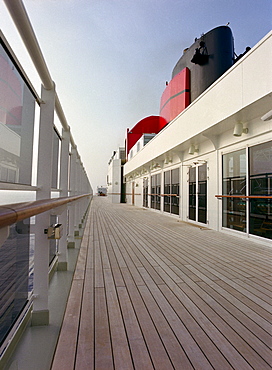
(152, 292)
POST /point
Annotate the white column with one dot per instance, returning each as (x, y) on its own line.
(71, 207)
(40, 314)
(77, 204)
(81, 202)
(64, 168)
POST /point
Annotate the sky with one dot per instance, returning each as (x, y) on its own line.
(110, 59)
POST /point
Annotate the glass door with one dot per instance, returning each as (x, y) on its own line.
(167, 190)
(192, 193)
(198, 193)
(175, 191)
(153, 191)
(202, 193)
(158, 191)
(234, 183)
(145, 192)
(260, 177)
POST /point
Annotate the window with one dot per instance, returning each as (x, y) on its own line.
(167, 190)
(171, 187)
(145, 192)
(234, 183)
(175, 191)
(260, 175)
(198, 193)
(257, 218)
(156, 191)
(192, 193)
(16, 123)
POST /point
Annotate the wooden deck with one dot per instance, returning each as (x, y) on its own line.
(151, 292)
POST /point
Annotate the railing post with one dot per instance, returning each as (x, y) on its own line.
(82, 202)
(64, 164)
(77, 188)
(71, 233)
(40, 315)
(78, 204)
(149, 191)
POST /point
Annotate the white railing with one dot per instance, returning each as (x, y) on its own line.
(57, 180)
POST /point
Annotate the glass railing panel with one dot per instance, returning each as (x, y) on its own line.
(16, 123)
(14, 275)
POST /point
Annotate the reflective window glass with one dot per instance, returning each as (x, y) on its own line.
(145, 192)
(175, 191)
(17, 106)
(192, 193)
(234, 183)
(260, 172)
(14, 275)
(167, 190)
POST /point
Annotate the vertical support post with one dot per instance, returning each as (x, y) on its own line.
(71, 207)
(77, 204)
(64, 164)
(219, 187)
(40, 315)
(79, 191)
(149, 191)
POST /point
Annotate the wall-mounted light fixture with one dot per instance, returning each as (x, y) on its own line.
(239, 129)
(267, 116)
(193, 149)
(168, 160)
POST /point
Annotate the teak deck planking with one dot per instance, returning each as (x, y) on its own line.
(152, 292)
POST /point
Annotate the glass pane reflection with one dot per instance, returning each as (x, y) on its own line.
(17, 106)
(234, 183)
(260, 218)
(14, 275)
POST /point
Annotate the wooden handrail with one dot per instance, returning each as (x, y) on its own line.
(245, 196)
(11, 213)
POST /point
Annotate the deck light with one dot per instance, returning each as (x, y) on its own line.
(267, 116)
(239, 129)
(193, 149)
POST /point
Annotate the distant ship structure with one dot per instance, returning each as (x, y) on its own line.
(102, 191)
(200, 65)
(206, 158)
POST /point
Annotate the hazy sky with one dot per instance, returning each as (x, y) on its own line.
(110, 58)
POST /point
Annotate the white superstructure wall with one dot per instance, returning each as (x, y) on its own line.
(204, 132)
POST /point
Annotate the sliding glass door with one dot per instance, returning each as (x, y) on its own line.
(171, 191)
(234, 183)
(260, 179)
(248, 174)
(198, 193)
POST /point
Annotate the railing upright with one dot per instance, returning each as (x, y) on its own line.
(64, 173)
(74, 187)
(40, 314)
(71, 233)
